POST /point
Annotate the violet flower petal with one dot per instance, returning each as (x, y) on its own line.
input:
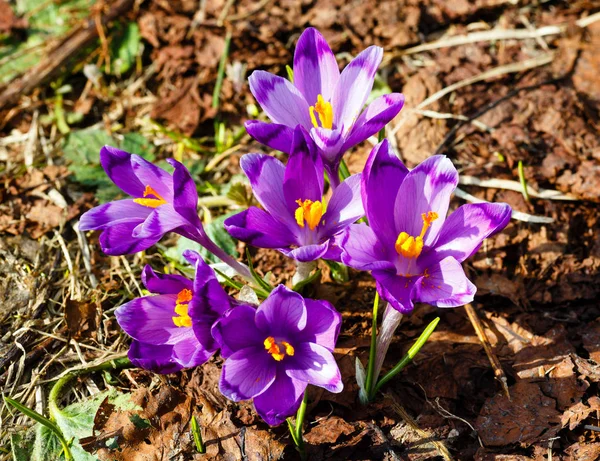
(280, 99)
(362, 250)
(156, 358)
(344, 207)
(303, 178)
(396, 289)
(312, 363)
(323, 324)
(426, 188)
(446, 285)
(119, 240)
(377, 115)
(282, 314)
(273, 135)
(118, 167)
(160, 221)
(266, 175)
(185, 194)
(191, 351)
(112, 213)
(381, 179)
(247, 373)
(307, 253)
(158, 283)
(150, 319)
(467, 227)
(151, 175)
(354, 87)
(280, 400)
(236, 331)
(315, 67)
(330, 143)
(259, 228)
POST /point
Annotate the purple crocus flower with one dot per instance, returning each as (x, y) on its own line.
(322, 100)
(172, 330)
(275, 351)
(413, 251)
(161, 203)
(295, 219)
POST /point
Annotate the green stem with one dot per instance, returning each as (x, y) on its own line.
(299, 427)
(523, 181)
(115, 364)
(381, 135)
(221, 72)
(373, 349)
(416, 347)
(197, 436)
(344, 171)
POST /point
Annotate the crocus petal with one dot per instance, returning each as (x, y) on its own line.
(159, 283)
(354, 86)
(109, 214)
(190, 352)
(362, 250)
(330, 143)
(344, 208)
(396, 289)
(185, 195)
(426, 188)
(315, 69)
(306, 253)
(151, 175)
(117, 164)
(280, 400)
(150, 319)
(162, 220)
(382, 177)
(446, 285)
(377, 115)
(119, 240)
(322, 324)
(266, 178)
(316, 365)
(282, 314)
(156, 358)
(466, 228)
(247, 373)
(303, 179)
(236, 331)
(273, 135)
(281, 101)
(259, 229)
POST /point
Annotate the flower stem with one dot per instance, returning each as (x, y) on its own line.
(389, 324)
(416, 347)
(373, 349)
(303, 271)
(299, 426)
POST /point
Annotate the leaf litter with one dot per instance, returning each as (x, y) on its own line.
(538, 283)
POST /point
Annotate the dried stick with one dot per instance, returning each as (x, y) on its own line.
(61, 53)
(485, 342)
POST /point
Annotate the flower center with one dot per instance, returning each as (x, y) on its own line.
(309, 211)
(182, 319)
(325, 111)
(154, 202)
(409, 246)
(278, 349)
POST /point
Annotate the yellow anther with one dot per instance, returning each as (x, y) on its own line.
(150, 202)
(309, 211)
(275, 349)
(325, 111)
(409, 246)
(182, 319)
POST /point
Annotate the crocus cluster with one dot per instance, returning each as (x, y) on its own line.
(387, 220)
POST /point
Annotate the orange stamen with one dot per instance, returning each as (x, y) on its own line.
(150, 202)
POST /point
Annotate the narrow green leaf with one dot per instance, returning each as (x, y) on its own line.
(290, 73)
(307, 281)
(257, 278)
(197, 436)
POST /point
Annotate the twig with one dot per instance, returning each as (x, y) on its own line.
(496, 34)
(61, 53)
(507, 184)
(485, 342)
(518, 215)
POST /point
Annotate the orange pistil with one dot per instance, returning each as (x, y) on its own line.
(181, 309)
(150, 202)
(325, 111)
(278, 350)
(409, 246)
(309, 211)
